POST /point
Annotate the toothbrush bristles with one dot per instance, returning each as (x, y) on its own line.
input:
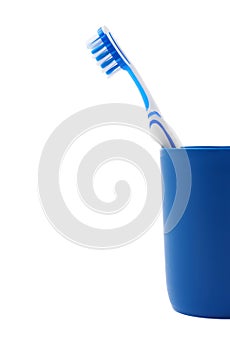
(102, 55)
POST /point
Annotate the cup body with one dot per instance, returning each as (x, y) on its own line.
(197, 249)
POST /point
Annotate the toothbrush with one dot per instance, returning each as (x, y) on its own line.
(111, 58)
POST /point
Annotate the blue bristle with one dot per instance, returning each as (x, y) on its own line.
(98, 48)
(111, 70)
(107, 63)
(102, 55)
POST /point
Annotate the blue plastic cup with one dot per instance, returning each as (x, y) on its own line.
(197, 248)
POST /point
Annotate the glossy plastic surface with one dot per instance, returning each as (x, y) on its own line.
(197, 250)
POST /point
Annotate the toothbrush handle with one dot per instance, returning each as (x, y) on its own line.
(160, 130)
(150, 104)
(163, 133)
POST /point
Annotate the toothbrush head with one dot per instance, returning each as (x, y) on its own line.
(107, 52)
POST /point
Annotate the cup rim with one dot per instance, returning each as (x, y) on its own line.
(195, 148)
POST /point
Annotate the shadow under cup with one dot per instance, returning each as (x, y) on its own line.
(197, 247)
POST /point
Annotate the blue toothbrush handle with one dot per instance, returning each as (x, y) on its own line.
(163, 133)
(150, 104)
(160, 130)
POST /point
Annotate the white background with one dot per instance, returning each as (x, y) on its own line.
(57, 295)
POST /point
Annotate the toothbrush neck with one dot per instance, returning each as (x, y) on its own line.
(150, 104)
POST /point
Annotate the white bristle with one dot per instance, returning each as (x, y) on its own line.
(93, 42)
